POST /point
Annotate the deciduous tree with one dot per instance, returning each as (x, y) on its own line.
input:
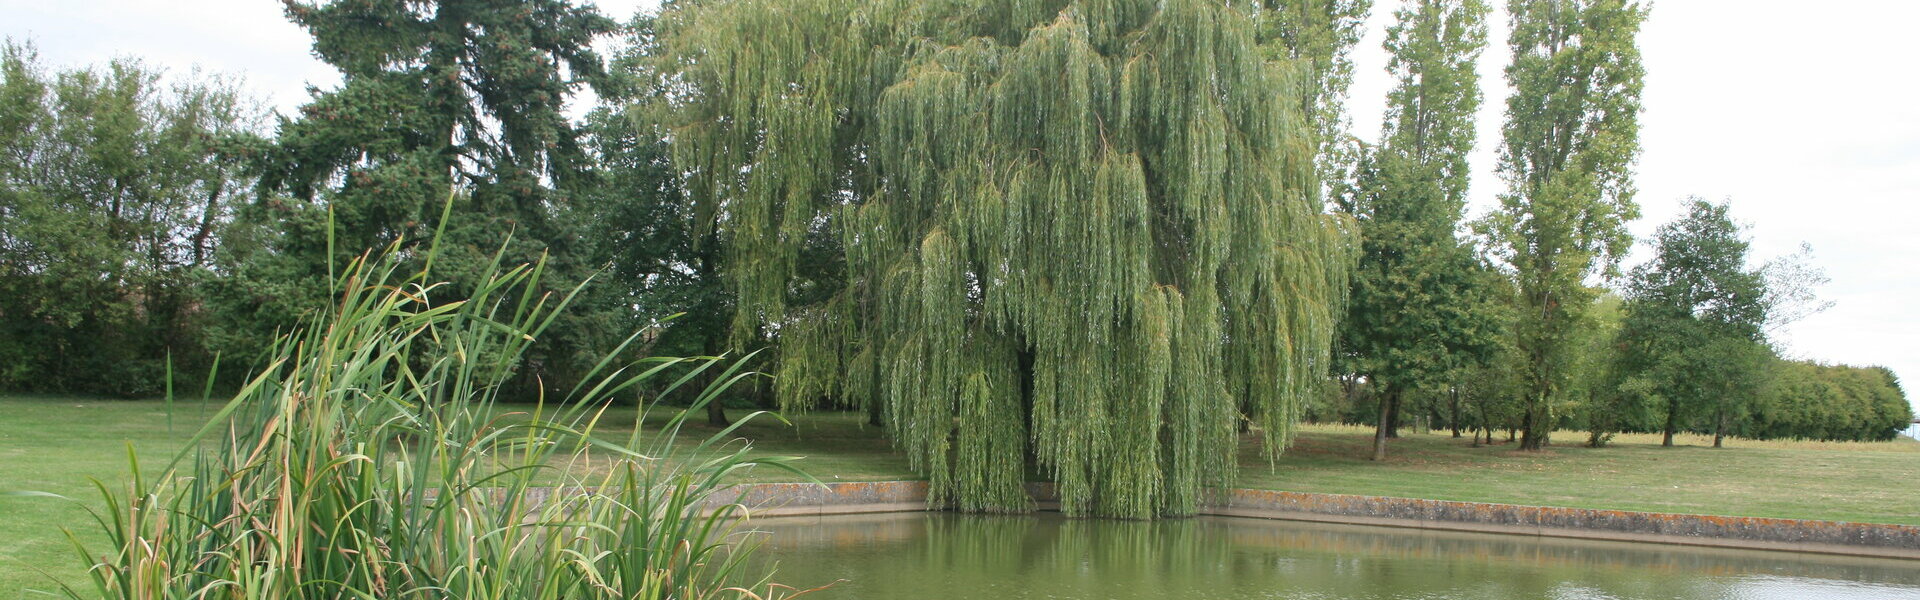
(116, 184)
(1077, 231)
(1571, 137)
(1694, 331)
(1419, 308)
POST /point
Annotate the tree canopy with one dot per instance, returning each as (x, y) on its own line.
(1078, 241)
(1572, 134)
(1420, 307)
(436, 97)
(1815, 401)
(1696, 316)
(1080, 231)
(116, 188)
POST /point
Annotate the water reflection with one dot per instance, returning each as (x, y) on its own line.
(938, 555)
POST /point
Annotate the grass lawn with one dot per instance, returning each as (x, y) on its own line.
(1876, 482)
(54, 444)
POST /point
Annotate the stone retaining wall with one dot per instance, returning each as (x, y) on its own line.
(1827, 537)
(830, 499)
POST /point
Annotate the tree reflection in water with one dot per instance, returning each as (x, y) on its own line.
(942, 555)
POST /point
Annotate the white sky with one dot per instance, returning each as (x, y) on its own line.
(1804, 118)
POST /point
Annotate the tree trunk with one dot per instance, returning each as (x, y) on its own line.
(716, 410)
(1380, 434)
(1535, 424)
(1486, 426)
(1673, 415)
(1392, 411)
(1527, 435)
(1025, 359)
(1454, 421)
(1719, 429)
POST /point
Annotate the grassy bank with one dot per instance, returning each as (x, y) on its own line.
(1840, 481)
(54, 444)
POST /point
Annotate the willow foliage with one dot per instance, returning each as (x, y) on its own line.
(1080, 233)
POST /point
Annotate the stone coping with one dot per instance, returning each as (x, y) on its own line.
(1794, 535)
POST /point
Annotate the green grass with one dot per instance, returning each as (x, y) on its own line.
(54, 443)
(50, 444)
(1867, 482)
(372, 459)
(837, 446)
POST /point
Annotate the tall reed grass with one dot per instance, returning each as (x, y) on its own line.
(370, 458)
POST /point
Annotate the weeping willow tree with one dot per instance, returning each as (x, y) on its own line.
(1079, 236)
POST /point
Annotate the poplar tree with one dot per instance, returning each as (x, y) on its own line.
(1571, 137)
(1318, 36)
(1076, 233)
(1419, 309)
(1814, 401)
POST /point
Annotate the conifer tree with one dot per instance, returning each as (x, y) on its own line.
(438, 96)
(1419, 310)
(1076, 233)
(1571, 137)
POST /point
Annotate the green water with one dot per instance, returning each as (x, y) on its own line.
(938, 556)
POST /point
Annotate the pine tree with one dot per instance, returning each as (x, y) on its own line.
(1419, 312)
(1078, 233)
(1571, 137)
(439, 96)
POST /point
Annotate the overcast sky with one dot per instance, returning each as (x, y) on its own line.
(1806, 119)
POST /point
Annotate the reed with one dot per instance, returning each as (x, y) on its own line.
(371, 458)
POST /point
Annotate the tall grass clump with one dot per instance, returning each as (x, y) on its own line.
(371, 458)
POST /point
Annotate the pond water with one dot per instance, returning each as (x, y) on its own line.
(939, 556)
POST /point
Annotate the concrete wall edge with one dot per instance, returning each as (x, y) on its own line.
(1752, 533)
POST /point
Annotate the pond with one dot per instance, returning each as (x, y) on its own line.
(937, 556)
